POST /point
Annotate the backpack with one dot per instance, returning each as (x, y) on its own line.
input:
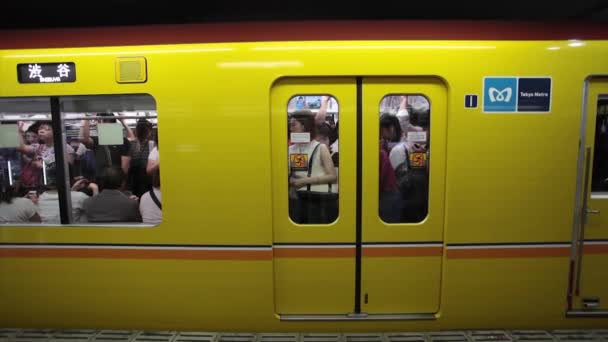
(413, 182)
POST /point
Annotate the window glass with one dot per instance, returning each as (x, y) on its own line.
(111, 169)
(599, 181)
(313, 159)
(114, 174)
(404, 158)
(26, 157)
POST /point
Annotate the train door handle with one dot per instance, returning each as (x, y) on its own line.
(592, 211)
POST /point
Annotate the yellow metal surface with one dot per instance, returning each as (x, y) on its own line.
(314, 286)
(523, 293)
(593, 281)
(123, 294)
(401, 285)
(508, 178)
(131, 70)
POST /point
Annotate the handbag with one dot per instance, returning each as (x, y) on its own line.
(319, 196)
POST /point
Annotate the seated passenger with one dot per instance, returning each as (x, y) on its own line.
(112, 205)
(150, 204)
(15, 209)
(48, 202)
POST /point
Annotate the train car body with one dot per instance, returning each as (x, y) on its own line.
(514, 236)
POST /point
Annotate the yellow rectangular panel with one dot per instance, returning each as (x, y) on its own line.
(403, 277)
(131, 70)
(314, 285)
(396, 284)
(311, 278)
(594, 278)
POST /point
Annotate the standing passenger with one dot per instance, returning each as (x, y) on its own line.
(138, 180)
(107, 155)
(43, 154)
(311, 174)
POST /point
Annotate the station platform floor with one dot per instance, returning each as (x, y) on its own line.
(50, 335)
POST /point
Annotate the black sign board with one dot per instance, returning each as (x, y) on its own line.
(46, 72)
(534, 94)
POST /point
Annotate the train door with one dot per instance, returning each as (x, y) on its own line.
(347, 245)
(589, 293)
(314, 257)
(403, 229)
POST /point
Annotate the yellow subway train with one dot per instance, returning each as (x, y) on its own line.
(322, 176)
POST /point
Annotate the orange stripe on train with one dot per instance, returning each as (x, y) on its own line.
(329, 252)
(302, 252)
(405, 251)
(596, 249)
(124, 253)
(513, 252)
(296, 252)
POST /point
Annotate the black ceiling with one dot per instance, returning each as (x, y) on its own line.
(59, 13)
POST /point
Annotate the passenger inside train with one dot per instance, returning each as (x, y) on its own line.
(314, 159)
(111, 162)
(404, 138)
(313, 177)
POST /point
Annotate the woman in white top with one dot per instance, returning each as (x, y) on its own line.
(311, 173)
(150, 206)
(153, 159)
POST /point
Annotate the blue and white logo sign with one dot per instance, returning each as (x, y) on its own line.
(500, 94)
(517, 94)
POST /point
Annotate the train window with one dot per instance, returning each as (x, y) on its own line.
(112, 139)
(599, 180)
(26, 157)
(313, 159)
(404, 158)
(107, 171)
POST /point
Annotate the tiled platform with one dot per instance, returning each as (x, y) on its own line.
(49, 335)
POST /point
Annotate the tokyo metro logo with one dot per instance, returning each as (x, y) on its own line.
(499, 94)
